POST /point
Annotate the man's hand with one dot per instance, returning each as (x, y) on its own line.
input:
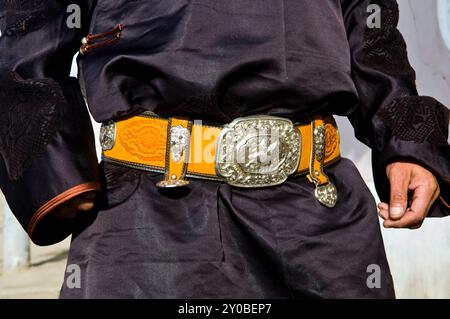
(406, 177)
(80, 203)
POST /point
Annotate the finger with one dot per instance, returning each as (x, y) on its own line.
(409, 219)
(383, 210)
(384, 214)
(89, 201)
(86, 206)
(81, 203)
(383, 206)
(399, 180)
(422, 199)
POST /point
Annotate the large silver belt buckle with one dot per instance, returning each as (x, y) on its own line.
(258, 151)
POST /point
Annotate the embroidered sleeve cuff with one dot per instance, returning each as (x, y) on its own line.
(47, 151)
(42, 223)
(414, 128)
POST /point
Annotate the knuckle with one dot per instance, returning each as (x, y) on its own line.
(396, 170)
(429, 183)
(396, 164)
(398, 181)
(398, 196)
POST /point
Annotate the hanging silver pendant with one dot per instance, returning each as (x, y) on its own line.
(326, 194)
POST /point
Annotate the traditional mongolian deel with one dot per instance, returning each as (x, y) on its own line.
(166, 225)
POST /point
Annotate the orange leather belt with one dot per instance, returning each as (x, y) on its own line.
(254, 151)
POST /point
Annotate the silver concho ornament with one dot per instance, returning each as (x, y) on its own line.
(319, 142)
(108, 135)
(179, 143)
(179, 137)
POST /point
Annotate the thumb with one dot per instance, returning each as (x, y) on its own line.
(399, 180)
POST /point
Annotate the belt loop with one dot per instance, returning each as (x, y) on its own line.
(91, 41)
(325, 192)
(177, 153)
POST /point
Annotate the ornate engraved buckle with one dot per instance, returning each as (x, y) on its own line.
(258, 151)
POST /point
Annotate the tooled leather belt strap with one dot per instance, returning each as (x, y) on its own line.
(254, 151)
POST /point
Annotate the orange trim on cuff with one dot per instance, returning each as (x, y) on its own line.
(58, 200)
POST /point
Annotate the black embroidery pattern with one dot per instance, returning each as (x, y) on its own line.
(384, 48)
(417, 119)
(26, 16)
(25, 23)
(30, 111)
(25, 4)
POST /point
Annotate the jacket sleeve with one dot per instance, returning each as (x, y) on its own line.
(391, 118)
(46, 139)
